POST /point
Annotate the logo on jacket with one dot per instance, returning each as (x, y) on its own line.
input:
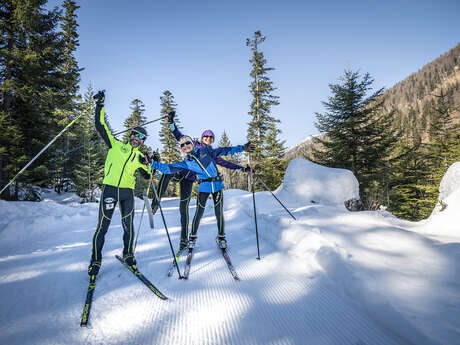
(124, 149)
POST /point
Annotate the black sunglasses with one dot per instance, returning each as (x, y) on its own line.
(186, 143)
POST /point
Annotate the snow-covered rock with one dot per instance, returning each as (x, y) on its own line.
(445, 218)
(307, 182)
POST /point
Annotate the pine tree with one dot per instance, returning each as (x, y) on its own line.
(359, 134)
(274, 166)
(170, 152)
(262, 123)
(30, 82)
(232, 179)
(12, 157)
(89, 161)
(136, 118)
(69, 99)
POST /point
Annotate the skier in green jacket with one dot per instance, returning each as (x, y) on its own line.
(123, 160)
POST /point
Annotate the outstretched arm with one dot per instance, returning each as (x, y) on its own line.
(225, 151)
(227, 164)
(169, 168)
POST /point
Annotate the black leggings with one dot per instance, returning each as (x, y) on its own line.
(218, 198)
(185, 195)
(110, 197)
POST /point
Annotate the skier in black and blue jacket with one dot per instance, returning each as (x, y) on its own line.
(186, 178)
(202, 162)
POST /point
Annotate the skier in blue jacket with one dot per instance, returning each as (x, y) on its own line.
(202, 162)
(186, 178)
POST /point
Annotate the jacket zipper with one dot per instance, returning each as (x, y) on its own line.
(124, 165)
(204, 169)
(108, 171)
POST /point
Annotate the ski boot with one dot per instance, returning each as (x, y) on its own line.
(221, 241)
(93, 268)
(130, 261)
(183, 244)
(192, 241)
(154, 206)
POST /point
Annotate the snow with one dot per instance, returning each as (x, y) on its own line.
(329, 277)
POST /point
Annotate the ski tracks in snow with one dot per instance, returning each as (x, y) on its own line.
(274, 303)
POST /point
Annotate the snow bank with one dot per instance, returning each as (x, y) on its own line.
(306, 182)
(445, 217)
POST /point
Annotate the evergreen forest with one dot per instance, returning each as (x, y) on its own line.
(397, 142)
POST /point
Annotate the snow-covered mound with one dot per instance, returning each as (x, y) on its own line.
(328, 277)
(445, 218)
(307, 182)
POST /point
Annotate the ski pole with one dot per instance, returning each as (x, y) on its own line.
(142, 215)
(268, 189)
(166, 228)
(42, 150)
(96, 140)
(251, 177)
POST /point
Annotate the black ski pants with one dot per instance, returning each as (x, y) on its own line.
(185, 195)
(110, 197)
(218, 198)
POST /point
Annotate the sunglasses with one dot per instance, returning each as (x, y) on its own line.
(208, 136)
(186, 143)
(139, 135)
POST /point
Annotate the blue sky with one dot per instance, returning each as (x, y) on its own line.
(197, 50)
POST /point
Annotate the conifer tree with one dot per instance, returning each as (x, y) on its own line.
(89, 161)
(69, 99)
(170, 152)
(262, 123)
(30, 83)
(232, 179)
(274, 166)
(136, 118)
(359, 135)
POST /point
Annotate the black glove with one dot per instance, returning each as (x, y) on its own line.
(99, 97)
(155, 156)
(248, 147)
(171, 116)
(248, 169)
(146, 159)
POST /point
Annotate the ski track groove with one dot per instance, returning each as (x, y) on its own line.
(275, 314)
(229, 304)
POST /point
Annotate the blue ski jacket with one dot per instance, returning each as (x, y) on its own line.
(189, 175)
(201, 161)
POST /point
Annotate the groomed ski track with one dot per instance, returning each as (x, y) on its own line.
(277, 301)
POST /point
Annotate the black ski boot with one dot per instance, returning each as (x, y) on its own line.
(130, 261)
(93, 268)
(183, 244)
(221, 241)
(192, 241)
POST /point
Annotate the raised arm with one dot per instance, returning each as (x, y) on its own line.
(99, 120)
(173, 128)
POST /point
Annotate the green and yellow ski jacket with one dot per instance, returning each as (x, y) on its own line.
(122, 159)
